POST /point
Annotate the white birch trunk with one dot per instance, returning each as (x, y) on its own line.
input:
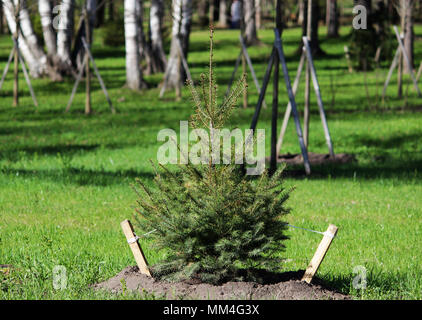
(65, 30)
(36, 67)
(251, 36)
(44, 9)
(182, 19)
(133, 70)
(222, 14)
(409, 34)
(156, 35)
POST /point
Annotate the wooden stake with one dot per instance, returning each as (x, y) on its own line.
(306, 114)
(88, 107)
(390, 72)
(16, 59)
(278, 45)
(407, 60)
(135, 247)
(349, 62)
(100, 80)
(245, 92)
(319, 96)
(419, 73)
(251, 69)
(6, 69)
(320, 253)
(289, 106)
(75, 87)
(28, 80)
(274, 116)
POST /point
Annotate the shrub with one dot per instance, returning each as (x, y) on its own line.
(212, 221)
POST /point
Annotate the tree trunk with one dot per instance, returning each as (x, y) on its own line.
(332, 19)
(44, 9)
(182, 20)
(258, 13)
(65, 32)
(222, 14)
(156, 35)
(409, 35)
(144, 49)
(29, 34)
(314, 43)
(250, 34)
(78, 53)
(134, 79)
(301, 16)
(37, 67)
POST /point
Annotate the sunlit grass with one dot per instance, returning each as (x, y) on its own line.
(65, 178)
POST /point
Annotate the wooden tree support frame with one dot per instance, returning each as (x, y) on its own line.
(276, 57)
(320, 253)
(244, 55)
(401, 51)
(134, 245)
(79, 78)
(185, 66)
(24, 70)
(307, 55)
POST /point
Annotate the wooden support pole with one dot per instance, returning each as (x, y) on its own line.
(390, 72)
(75, 86)
(251, 69)
(245, 92)
(28, 80)
(274, 116)
(419, 73)
(349, 62)
(407, 60)
(319, 97)
(264, 89)
(289, 106)
(320, 253)
(6, 69)
(304, 150)
(135, 247)
(236, 66)
(88, 106)
(100, 80)
(16, 58)
(307, 81)
(184, 62)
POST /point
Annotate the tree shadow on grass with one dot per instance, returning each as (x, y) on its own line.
(82, 176)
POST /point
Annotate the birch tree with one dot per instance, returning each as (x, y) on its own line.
(78, 53)
(222, 14)
(134, 78)
(249, 16)
(65, 31)
(156, 35)
(407, 7)
(182, 20)
(37, 67)
(49, 35)
(332, 19)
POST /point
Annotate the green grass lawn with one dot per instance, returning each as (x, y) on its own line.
(65, 178)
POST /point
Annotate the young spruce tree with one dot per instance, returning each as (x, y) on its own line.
(213, 222)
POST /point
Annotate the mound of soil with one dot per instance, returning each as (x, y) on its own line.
(282, 286)
(316, 158)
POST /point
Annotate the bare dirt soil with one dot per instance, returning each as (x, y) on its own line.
(282, 286)
(316, 158)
